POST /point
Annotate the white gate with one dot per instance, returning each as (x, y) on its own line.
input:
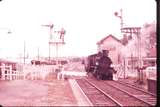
(31, 72)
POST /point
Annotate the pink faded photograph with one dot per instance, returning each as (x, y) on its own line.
(78, 53)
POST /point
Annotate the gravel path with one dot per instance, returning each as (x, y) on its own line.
(36, 93)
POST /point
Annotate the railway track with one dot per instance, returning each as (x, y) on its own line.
(134, 91)
(132, 84)
(95, 95)
(109, 94)
(137, 86)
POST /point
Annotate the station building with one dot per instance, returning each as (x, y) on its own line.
(114, 46)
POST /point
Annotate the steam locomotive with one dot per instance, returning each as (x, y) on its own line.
(91, 67)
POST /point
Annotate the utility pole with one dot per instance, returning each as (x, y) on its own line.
(24, 52)
(131, 31)
(50, 38)
(38, 53)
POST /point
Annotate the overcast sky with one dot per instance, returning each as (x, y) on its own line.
(85, 21)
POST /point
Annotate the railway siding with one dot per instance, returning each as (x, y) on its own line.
(120, 96)
(140, 94)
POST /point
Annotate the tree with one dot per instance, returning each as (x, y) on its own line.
(148, 41)
(149, 36)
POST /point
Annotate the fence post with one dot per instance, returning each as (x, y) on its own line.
(3, 71)
(10, 72)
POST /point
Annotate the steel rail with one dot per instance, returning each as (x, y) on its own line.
(129, 94)
(107, 95)
(134, 86)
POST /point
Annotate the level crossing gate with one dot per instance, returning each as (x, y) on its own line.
(25, 72)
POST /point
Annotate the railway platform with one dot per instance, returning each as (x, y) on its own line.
(41, 93)
(53, 91)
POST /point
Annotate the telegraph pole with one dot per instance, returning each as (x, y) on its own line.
(131, 31)
(24, 52)
(38, 53)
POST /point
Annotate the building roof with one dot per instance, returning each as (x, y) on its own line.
(102, 40)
